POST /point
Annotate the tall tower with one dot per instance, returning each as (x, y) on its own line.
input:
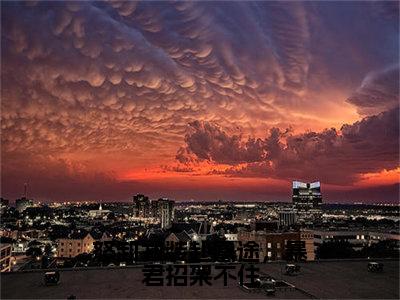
(25, 195)
(141, 206)
(165, 212)
(306, 195)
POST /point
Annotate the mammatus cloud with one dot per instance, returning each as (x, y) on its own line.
(113, 75)
(337, 157)
(113, 84)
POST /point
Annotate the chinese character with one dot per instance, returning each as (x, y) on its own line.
(251, 252)
(153, 275)
(200, 274)
(174, 278)
(225, 272)
(250, 274)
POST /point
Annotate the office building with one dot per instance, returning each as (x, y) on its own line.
(306, 195)
(287, 217)
(163, 209)
(141, 206)
(154, 211)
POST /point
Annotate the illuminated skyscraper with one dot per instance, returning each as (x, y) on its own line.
(306, 195)
(141, 206)
(287, 217)
(163, 209)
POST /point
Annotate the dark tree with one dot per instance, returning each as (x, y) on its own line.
(34, 252)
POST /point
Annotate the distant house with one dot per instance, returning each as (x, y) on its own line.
(75, 244)
(175, 238)
(79, 242)
(153, 237)
(190, 228)
(198, 231)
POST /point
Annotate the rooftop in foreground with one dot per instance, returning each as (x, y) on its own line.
(325, 279)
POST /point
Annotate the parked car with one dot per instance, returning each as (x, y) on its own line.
(51, 278)
(292, 269)
(375, 267)
(267, 284)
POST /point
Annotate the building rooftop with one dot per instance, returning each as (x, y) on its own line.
(183, 236)
(343, 279)
(328, 279)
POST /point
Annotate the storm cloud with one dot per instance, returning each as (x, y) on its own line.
(338, 157)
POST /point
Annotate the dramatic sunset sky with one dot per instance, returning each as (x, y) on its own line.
(200, 100)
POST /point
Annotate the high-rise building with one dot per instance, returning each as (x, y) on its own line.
(163, 209)
(287, 217)
(141, 206)
(306, 195)
(154, 211)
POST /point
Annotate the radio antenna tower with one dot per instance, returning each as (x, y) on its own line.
(26, 190)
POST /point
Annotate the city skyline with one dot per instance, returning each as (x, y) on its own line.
(200, 100)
